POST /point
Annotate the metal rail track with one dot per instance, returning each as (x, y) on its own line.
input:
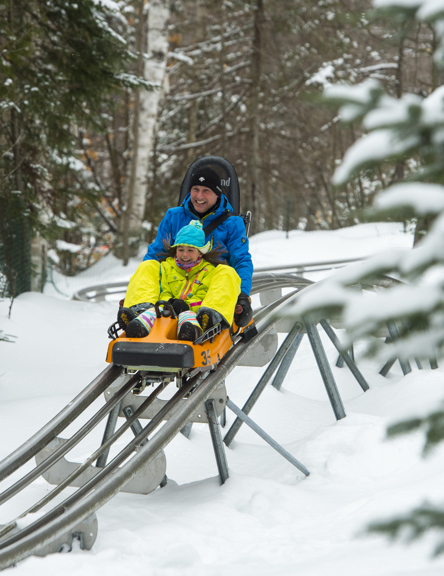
(100, 292)
(134, 457)
(65, 417)
(140, 451)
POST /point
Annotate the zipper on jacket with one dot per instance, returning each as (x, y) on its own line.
(186, 286)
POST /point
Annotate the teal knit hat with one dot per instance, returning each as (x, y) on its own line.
(192, 235)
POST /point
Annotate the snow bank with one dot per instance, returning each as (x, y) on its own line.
(268, 518)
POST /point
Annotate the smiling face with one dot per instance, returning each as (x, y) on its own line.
(187, 254)
(202, 198)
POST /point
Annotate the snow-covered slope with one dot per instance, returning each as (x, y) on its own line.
(268, 518)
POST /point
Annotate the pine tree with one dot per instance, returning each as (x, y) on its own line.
(62, 64)
(405, 129)
(244, 77)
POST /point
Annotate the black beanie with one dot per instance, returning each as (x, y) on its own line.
(208, 178)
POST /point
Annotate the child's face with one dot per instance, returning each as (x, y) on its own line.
(187, 254)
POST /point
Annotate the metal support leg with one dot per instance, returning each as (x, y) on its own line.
(394, 335)
(324, 369)
(216, 437)
(223, 418)
(418, 363)
(286, 362)
(110, 428)
(433, 363)
(340, 361)
(344, 354)
(260, 386)
(78, 536)
(386, 368)
(136, 426)
(406, 328)
(186, 430)
(249, 422)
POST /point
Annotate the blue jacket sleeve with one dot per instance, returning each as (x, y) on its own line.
(239, 251)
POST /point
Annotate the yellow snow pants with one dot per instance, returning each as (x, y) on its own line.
(144, 286)
(224, 290)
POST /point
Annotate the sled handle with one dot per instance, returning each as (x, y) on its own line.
(167, 311)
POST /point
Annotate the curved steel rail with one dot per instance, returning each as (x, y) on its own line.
(88, 462)
(112, 478)
(99, 292)
(73, 441)
(136, 454)
(65, 417)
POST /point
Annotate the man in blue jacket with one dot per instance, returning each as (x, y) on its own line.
(206, 202)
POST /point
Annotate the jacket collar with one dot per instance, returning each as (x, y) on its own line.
(192, 271)
(224, 206)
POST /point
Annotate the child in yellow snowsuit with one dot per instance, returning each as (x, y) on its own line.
(185, 277)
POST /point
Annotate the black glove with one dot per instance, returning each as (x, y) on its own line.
(178, 305)
(243, 312)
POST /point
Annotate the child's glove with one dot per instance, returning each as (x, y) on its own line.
(178, 305)
(243, 312)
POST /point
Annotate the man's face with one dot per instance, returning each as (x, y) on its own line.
(202, 198)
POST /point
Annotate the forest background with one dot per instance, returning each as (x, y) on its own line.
(105, 104)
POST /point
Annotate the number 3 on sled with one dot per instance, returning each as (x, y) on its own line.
(206, 358)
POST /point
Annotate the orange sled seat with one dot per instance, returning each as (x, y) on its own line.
(161, 349)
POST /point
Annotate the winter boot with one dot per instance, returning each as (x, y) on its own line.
(188, 328)
(141, 326)
(207, 318)
(125, 315)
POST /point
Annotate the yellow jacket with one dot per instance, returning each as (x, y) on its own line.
(191, 286)
(204, 285)
(213, 287)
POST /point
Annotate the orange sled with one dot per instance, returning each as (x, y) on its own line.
(161, 351)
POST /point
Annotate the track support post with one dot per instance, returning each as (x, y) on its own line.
(324, 368)
(386, 368)
(109, 431)
(136, 426)
(260, 386)
(345, 355)
(394, 335)
(186, 430)
(260, 432)
(340, 361)
(286, 362)
(216, 438)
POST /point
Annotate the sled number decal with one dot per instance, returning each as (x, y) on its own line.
(206, 358)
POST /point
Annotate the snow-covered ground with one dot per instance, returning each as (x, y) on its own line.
(268, 518)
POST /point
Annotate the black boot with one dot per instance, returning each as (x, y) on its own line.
(207, 318)
(136, 329)
(126, 315)
(189, 331)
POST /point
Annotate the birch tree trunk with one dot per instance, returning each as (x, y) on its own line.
(153, 66)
